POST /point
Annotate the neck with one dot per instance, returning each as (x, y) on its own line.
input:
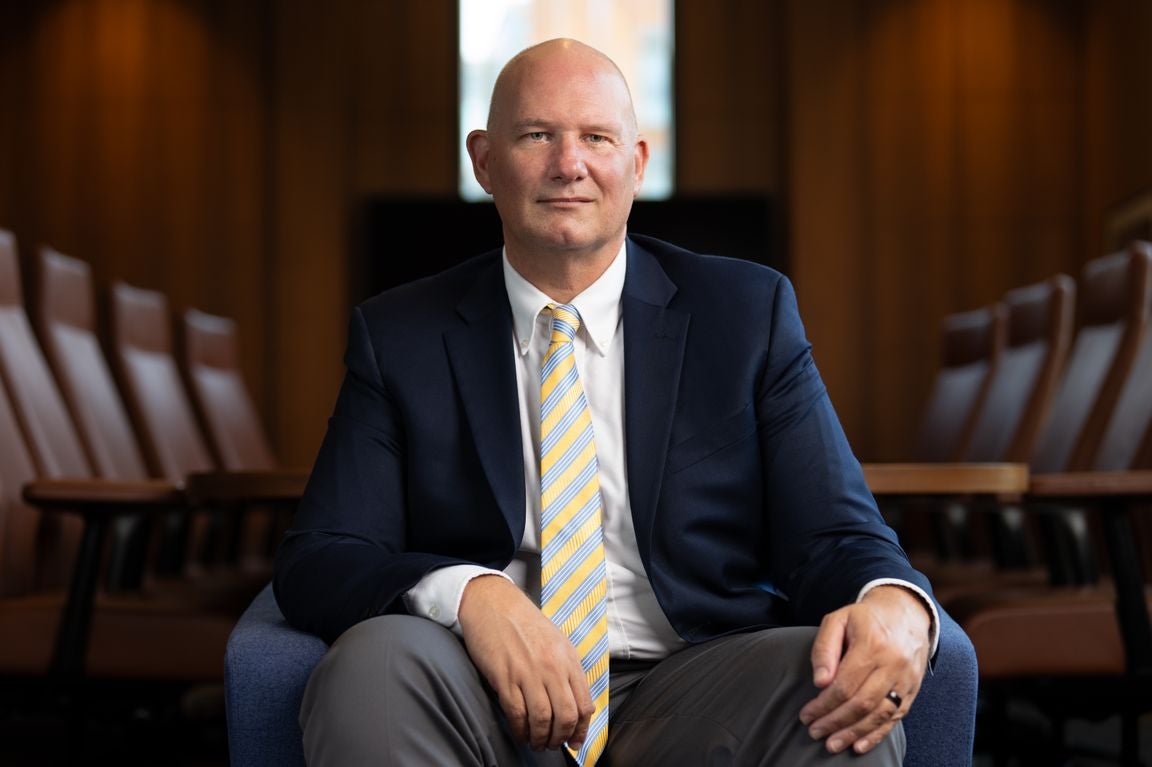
(562, 276)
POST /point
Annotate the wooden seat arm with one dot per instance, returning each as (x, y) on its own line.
(1091, 486)
(243, 487)
(926, 479)
(104, 497)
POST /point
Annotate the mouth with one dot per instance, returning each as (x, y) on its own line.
(565, 202)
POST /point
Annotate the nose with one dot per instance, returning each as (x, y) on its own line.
(568, 160)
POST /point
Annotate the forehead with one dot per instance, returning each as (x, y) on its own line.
(564, 90)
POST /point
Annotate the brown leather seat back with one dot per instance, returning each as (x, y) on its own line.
(1131, 418)
(1113, 313)
(971, 346)
(1021, 389)
(39, 406)
(39, 411)
(211, 358)
(67, 322)
(153, 389)
(20, 525)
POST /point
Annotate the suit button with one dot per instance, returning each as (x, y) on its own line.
(434, 612)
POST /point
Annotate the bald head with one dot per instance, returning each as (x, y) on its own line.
(560, 58)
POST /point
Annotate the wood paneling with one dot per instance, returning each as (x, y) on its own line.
(133, 138)
(927, 154)
(1118, 116)
(936, 163)
(729, 97)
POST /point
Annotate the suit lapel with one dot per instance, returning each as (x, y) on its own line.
(654, 339)
(480, 352)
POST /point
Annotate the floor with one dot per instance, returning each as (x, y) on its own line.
(182, 728)
(188, 730)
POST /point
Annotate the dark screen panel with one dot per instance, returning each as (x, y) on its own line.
(405, 239)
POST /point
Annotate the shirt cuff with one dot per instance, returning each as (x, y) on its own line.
(437, 595)
(934, 629)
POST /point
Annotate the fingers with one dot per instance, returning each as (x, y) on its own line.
(585, 708)
(863, 718)
(869, 654)
(529, 663)
(828, 647)
(547, 710)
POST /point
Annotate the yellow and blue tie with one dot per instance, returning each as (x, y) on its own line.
(573, 585)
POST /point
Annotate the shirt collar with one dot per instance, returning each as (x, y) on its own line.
(598, 304)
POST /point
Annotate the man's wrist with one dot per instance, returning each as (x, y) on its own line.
(921, 597)
(437, 596)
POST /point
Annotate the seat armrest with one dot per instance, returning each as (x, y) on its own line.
(103, 497)
(897, 479)
(98, 502)
(232, 487)
(1091, 485)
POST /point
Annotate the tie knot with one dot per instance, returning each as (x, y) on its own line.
(565, 322)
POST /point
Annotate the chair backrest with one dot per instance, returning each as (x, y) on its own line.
(212, 360)
(1131, 418)
(66, 318)
(44, 425)
(1020, 391)
(21, 536)
(154, 391)
(971, 344)
(40, 409)
(1113, 301)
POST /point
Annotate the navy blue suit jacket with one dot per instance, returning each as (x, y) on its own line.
(750, 509)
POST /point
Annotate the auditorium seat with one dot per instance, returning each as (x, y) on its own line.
(52, 571)
(1085, 648)
(992, 464)
(232, 423)
(173, 444)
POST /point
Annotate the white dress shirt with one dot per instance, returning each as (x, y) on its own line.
(637, 626)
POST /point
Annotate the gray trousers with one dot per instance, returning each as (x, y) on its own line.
(401, 690)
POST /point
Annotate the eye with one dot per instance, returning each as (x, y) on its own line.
(537, 136)
(596, 138)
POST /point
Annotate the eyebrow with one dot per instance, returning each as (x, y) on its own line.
(523, 125)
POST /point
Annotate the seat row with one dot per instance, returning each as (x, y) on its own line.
(1054, 382)
(139, 500)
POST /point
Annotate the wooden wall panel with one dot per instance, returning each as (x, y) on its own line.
(729, 97)
(312, 157)
(1118, 119)
(134, 140)
(826, 225)
(405, 127)
(928, 155)
(961, 181)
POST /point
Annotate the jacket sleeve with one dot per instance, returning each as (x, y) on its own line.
(827, 538)
(344, 559)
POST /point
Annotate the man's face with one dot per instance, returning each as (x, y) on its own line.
(561, 158)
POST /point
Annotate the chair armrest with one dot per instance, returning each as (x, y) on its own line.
(232, 487)
(1091, 485)
(266, 670)
(1112, 495)
(103, 497)
(98, 502)
(946, 478)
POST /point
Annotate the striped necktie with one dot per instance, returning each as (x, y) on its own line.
(573, 587)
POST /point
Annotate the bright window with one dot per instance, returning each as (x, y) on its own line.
(637, 34)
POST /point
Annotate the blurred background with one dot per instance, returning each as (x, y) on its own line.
(276, 161)
(919, 157)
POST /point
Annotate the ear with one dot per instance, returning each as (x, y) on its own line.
(641, 160)
(478, 146)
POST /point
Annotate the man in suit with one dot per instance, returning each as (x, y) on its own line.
(722, 513)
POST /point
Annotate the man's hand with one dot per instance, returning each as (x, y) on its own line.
(528, 661)
(862, 652)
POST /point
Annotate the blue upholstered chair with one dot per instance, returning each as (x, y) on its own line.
(268, 663)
